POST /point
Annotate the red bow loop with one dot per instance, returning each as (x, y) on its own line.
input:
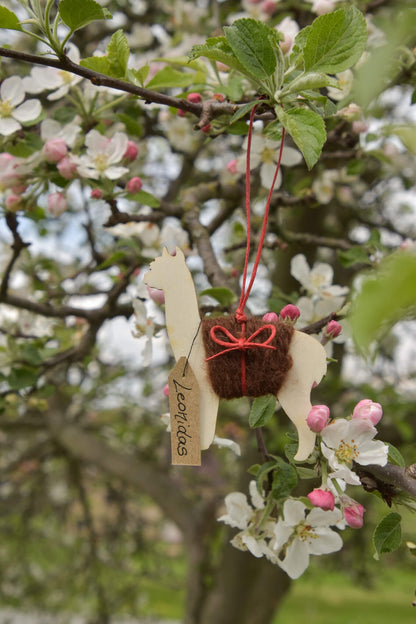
(242, 343)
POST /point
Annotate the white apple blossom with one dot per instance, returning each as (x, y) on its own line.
(265, 153)
(316, 280)
(52, 79)
(347, 441)
(102, 156)
(345, 80)
(13, 113)
(144, 326)
(300, 534)
(241, 515)
(51, 129)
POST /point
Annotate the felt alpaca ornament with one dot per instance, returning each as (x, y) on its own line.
(236, 355)
(183, 323)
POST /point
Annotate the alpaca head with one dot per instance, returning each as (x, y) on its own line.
(160, 271)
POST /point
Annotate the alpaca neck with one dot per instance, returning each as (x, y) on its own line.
(182, 315)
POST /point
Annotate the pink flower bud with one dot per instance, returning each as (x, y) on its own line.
(268, 7)
(368, 409)
(232, 166)
(270, 317)
(57, 204)
(194, 97)
(134, 185)
(13, 202)
(158, 296)
(67, 168)
(219, 97)
(333, 329)
(206, 129)
(290, 313)
(353, 515)
(131, 151)
(54, 150)
(322, 498)
(166, 390)
(181, 113)
(318, 418)
(96, 194)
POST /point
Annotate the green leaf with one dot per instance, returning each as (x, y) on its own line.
(118, 53)
(98, 64)
(78, 13)
(143, 197)
(284, 480)
(387, 535)
(217, 49)
(169, 77)
(22, 377)
(355, 255)
(335, 41)
(386, 296)
(395, 457)
(224, 296)
(8, 19)
(30, 354)
(243, 110)
(314, 80)
(133, 127)
(140, 75)
(307, 129)
(384, 63)
(250, 41)
(262, 410)
(407, 135)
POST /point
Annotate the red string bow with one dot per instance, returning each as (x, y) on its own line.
(242, 343)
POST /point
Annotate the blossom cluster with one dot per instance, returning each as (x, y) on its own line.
(311, 526)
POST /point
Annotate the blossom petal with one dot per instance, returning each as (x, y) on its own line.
(333, 433)
(293, 512)
(256, 498)
(12, 89)
(299, 269)
(296, 560)
(291, 157)
(376, 454)
(28, 111)
(267, 172)
(114, 173)
(325, 541)
(8, 125)
(239, 511)
(282, 533)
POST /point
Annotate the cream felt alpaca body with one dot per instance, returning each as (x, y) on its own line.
(170, 274)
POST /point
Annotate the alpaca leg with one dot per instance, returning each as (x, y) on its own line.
(297, 410)
(309, 366)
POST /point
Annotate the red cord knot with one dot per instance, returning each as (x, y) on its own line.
(242, 343)
(240, 317)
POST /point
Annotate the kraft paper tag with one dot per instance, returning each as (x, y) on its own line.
(184, 415)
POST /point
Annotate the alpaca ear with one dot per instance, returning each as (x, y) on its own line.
(179, 253)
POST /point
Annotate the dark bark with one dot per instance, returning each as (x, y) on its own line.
(247, 590)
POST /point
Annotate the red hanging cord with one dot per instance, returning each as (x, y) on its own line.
(242, 343)
(240, 315)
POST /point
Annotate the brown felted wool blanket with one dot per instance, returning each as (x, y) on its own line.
(265, 368)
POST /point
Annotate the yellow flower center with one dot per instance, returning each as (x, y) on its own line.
(268, 155)
(346, 452)
(101, 162)
(5, 108)
(66, 76)
(305, 531)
